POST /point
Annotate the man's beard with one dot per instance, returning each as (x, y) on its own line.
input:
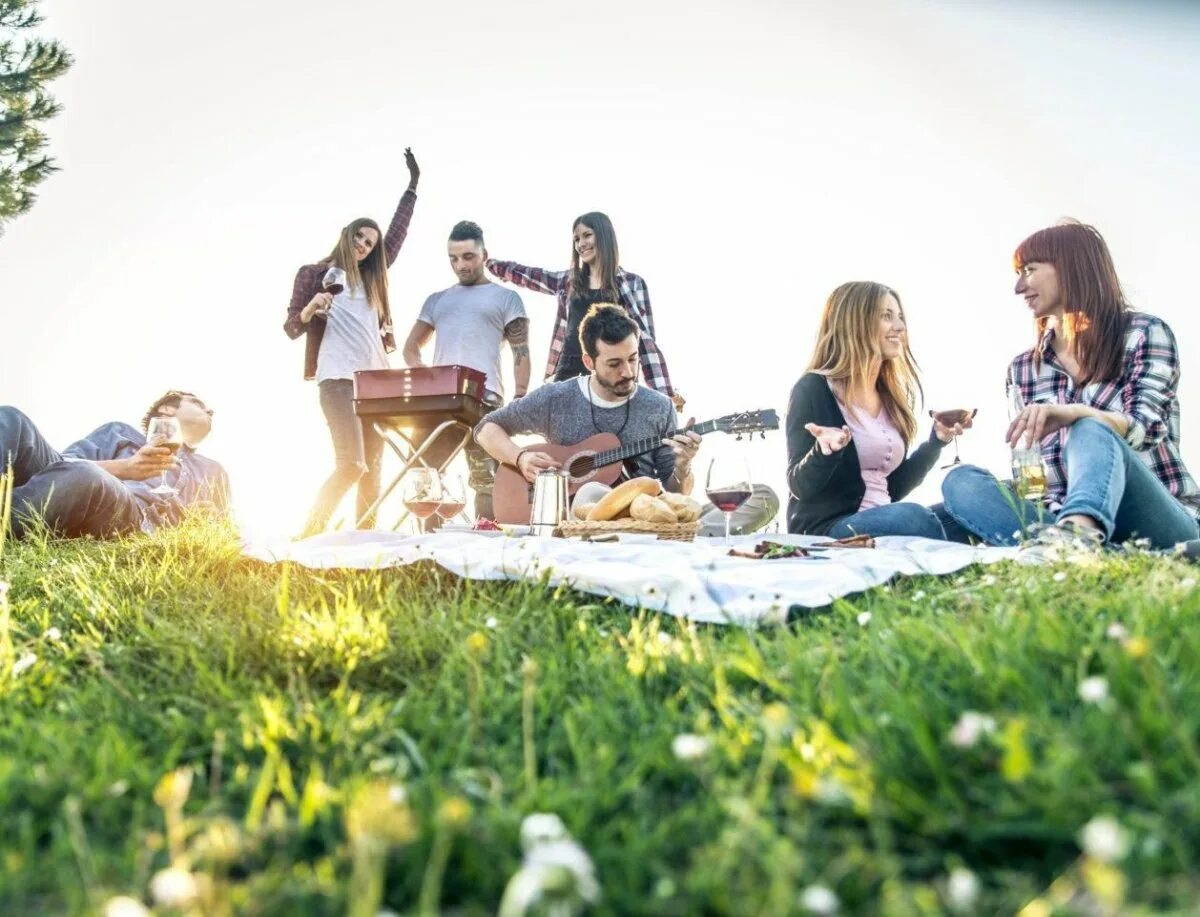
(621, 388)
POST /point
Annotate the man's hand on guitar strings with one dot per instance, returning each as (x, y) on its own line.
(685, 445)
(530, 463)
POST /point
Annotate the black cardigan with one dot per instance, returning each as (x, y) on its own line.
(825, 488)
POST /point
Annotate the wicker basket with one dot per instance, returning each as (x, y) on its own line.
(666, 531)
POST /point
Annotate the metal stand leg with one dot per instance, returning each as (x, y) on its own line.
(413, 456)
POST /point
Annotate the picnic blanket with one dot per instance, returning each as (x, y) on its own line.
(696, 580)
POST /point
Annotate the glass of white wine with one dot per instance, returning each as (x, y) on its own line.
(164, 431)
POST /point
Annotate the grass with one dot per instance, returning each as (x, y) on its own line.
(328, 743)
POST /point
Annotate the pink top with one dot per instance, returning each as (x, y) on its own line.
(880, 452)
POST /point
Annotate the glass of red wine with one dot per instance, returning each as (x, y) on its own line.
(728, 486)
(334, 281)
(164, 431)
(422, 493)
(949, 419)
(454, 497)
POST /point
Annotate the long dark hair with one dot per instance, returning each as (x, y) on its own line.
(371, 272)
(1095, 311)
(607, 257)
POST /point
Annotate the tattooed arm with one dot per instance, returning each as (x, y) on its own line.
(516, 333)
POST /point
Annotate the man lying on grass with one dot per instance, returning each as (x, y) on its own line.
(112, 481)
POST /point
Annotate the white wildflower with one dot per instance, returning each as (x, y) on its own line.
(569, 856)
(124, 906)
(119, 788)
(864, 618)
(491, 622)
(1059, 577)
(3, 591)
(1187, 584)
(53, 633)
(1116, 631)
(817, 899)
(918, 595)
(1094, 690)
(1104, 839)
(664, 639)
(989, 580)
(962, 889)
(541, 828)
(174, 887)
(26, 661)
(971, 727)
(397, 795)
(689, 747)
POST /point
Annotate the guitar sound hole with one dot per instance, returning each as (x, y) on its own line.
(581, 467)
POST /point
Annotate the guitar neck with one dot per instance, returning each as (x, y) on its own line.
(649, 444)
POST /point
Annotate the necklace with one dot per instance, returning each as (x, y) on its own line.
(592, 405)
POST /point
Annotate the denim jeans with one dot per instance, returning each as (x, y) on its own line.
(357, 454)
(1106, 481)
(72, 498)
(890, 519)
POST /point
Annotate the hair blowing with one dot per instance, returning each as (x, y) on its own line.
(847, 352)
(371, 272)
(607, 257)
(1095, 311)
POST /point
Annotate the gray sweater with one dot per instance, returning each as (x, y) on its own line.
(559, 412)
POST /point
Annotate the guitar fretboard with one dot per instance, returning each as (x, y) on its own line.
(642, 446)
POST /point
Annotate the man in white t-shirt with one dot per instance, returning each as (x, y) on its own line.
(471, 321)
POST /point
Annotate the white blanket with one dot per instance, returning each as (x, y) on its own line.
(697, 581)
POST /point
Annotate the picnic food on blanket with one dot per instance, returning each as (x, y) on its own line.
(484, 524)
(581, 510)
(615, 503)
(646, 508)
(851, 541)
(686, 509)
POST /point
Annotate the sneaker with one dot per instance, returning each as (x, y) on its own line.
(1047, 544)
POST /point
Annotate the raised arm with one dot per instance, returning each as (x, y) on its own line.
(397, 230)
(516, 333)
(417, 338)
(531, 278)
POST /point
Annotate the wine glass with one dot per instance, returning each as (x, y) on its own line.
(334, 281)
(949, 419)
(422, 493)
(728, 486)
(454, 496)
(164, 431)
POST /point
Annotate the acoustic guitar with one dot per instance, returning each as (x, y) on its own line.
(601, 458)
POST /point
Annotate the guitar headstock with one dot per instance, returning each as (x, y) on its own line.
(747, 422)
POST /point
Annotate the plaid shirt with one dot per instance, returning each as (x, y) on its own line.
(634, 297)
(308, 284)
(1145, 393)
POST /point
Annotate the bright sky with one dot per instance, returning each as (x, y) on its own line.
(752, 156)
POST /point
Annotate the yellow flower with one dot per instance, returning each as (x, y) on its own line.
(375, 813)
(1137, 647)
(1038, 907)
(173, 789)
(477, 643)
(454, 812)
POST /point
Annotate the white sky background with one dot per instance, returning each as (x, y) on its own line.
(752, 156)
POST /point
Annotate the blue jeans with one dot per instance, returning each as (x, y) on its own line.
(1106, 481)
(357, 455)
(890, 519)
(72, 498)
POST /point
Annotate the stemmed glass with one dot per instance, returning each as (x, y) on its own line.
(422, 493)
(334, 281)
(949, 419)
(164, 431)
(728, 486)
(454, 497)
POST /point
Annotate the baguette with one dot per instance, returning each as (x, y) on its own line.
(615, 503)
(646, 508)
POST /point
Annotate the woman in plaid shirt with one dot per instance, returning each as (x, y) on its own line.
(595, 276)
(1100, 385)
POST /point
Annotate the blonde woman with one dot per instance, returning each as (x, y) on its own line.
(348, 331)
(851, 419)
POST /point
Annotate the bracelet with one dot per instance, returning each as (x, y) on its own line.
(517, 460)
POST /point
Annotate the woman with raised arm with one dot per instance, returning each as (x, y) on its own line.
(595, 276)
(348, 327)
(1099, 389)
(851, 419)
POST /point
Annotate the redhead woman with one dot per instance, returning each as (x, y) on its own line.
(851, 420)
(595, 276)
(347, 330)
(1100, 388)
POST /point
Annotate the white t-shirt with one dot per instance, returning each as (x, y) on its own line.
(352, 340)
(469, 323)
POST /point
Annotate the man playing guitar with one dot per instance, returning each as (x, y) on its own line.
(607, 400)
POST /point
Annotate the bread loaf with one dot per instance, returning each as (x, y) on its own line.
(646, 508)
(581, 510)
(686, 509)
(613, 504)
